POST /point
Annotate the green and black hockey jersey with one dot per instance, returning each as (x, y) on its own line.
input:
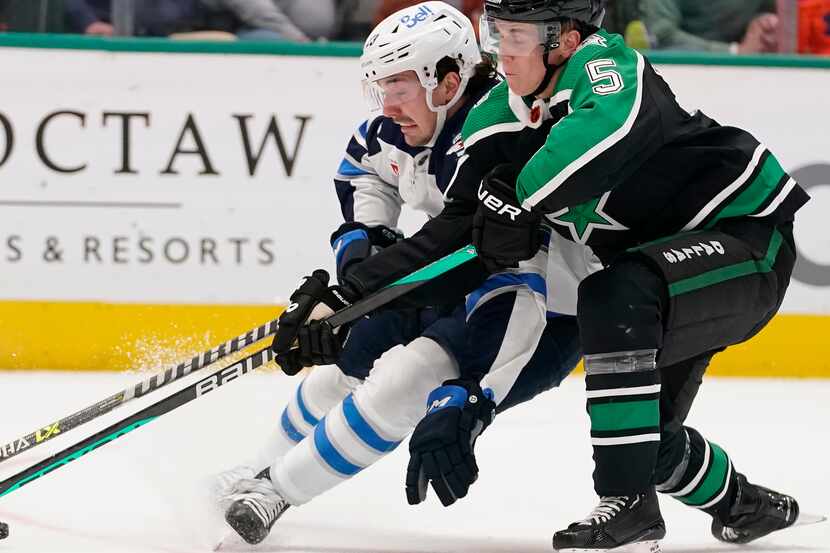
(623, 163)
(611, 160)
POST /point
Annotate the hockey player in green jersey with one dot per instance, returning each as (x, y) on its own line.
(693, 222)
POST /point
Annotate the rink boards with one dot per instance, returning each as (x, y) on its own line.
(158, 198)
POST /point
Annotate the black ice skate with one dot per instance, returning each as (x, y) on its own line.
(629, 523)
(255, 509)
(755, 513)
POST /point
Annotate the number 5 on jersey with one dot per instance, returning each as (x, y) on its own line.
(607, 80)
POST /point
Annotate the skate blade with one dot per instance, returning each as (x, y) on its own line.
(651, 546)
(805, 518)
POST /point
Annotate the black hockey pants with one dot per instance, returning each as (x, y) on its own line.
(687, 296)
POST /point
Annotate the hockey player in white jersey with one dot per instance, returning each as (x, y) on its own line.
(424, 67)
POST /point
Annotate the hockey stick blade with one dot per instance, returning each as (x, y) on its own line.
(228, 374)
(200, 361)
(805, 519)
(137, 420)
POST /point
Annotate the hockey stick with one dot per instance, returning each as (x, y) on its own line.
(230, 373)
(45, 433)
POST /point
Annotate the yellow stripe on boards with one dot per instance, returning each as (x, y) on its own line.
(117, 337)
(106, 336)
(790, 346)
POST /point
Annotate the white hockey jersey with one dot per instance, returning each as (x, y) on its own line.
(380, 172)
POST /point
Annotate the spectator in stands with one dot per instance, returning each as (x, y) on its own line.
(152, 17)
(625, 17)
(4, 18)
(814, 27)
(619, 13)
(295, 20)
(88, 17)
(737, 26)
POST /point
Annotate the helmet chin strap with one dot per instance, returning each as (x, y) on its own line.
(441, 111)
(550, 69)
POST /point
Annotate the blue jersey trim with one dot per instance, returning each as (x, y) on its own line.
(290, 430)
(532, 280)
(309, 418)
(348, 169)
(341, 244)
(329, 453)
(363, 429)
(356, 150)
(345, 193)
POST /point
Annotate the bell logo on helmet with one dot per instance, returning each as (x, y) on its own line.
(422, 14)
(416, 39)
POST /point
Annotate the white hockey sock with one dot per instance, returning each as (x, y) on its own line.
(322, 389)
(368, 424)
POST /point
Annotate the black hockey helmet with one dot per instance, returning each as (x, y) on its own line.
(547, 16)
(590, 12)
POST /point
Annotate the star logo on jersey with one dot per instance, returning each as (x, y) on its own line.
(582, 219)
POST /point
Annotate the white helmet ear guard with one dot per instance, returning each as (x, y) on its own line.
(416, 39)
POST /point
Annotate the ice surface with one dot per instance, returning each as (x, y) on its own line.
(144, 492)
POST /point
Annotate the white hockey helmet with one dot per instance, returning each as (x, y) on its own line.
(416, 39)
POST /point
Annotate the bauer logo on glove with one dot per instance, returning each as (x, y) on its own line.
(503, 232)
(495, 204)
(304, 338)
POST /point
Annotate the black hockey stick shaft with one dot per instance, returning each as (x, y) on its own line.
(228, 374)
(200, 361)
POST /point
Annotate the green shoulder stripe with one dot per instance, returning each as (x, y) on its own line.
(603, 84)
(489, 115)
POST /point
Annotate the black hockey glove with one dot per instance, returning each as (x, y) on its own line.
(302, 339)
(503, 232)
(353, 242)
(441, 447)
